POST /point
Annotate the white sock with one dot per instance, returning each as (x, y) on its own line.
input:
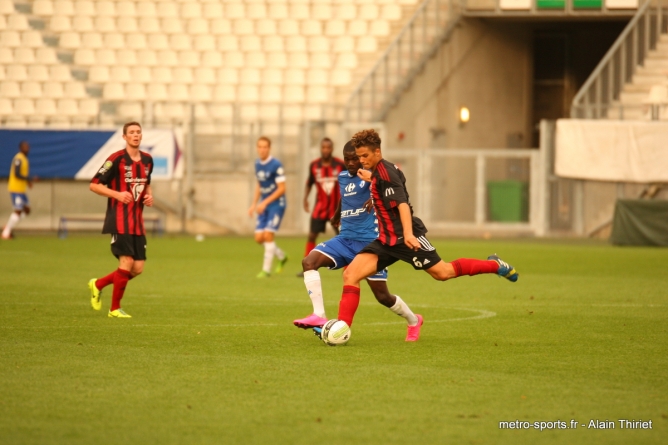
(13, 219)
(314, 288)
(269, 251)
(400, 308)
(279, 253)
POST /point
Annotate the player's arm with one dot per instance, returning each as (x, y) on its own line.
(256, 198)
(102, 190)
(280, 191)
(407, 225)
(307, 191)
(336, 219)
(148, 196)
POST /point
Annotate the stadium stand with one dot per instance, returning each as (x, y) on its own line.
(302, 55)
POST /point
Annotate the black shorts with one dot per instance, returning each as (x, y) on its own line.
(422, 259)
(129, 245)
(318, 225)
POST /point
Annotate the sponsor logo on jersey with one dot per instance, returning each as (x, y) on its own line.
(389, 191)
(351, 212)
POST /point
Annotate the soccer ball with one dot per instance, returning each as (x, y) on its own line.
(335, 332)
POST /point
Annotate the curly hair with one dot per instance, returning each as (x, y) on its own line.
(366, 138)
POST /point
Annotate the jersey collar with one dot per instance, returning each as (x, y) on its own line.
(266, 161)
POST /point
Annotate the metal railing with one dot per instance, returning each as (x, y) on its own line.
(604, 86)
(405, 57)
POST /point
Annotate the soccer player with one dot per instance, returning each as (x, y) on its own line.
(19, 182)
(401, 235)
(125, 179)
(358, 228)
(269, 204)
(323, 172)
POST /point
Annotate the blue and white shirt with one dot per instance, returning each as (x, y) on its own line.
(269, 173)
(356, 223)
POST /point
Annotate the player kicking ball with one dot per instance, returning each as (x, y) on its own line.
(125, 179)
(358, 228)
(401, 235)
(269, 204)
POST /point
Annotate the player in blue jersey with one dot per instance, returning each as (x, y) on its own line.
(359, 227)
(269, 204)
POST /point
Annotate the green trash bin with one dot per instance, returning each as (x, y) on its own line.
(508, 201)
(551, 4)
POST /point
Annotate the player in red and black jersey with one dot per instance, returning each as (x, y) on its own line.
(324, 173)
(401, 235)
(125, 179)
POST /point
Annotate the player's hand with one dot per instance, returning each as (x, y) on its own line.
(260, 208)
(251, 210)
(412, 242)
(306, 206)
(148, 200)
(335, 221)
(364, 175)
(124, 197)
(368, 205)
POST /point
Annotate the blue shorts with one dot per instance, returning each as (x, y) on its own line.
(270, 219)
(342, 251)
(19, 200)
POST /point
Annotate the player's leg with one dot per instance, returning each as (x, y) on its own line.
(274, 223)
(378, 285)
(443, 271)
(310, 265)
(18, 204)
(362, 266)
(316, 226)
(121, 278)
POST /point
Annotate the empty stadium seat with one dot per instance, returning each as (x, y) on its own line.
(70, 40)
(24, 56)
(180, 42)
(205, 76)
(171, 25)
(266, 27)
(149, 25)
(9, 89)
(105, 56)
(67, 107)
(235, 10)
(113, 91)
(204, 43)
(45, 107)
(92, 40)
(127, 24)
(135, 91)
(82, 23)
(198, 26)
(278, 11)
(38, 73)
(32, 90)
(335, 28)
(130, 110)
(346, 11)
(272, 76)
(220, 26)
(200, 93)
(167, 9)
(17, 22)
(128, 57)
(188, 58)
(146, 10)
(322, 11)
(46, 56)
(212, 10)
(120, 74)
(53, 90)
(248, 93)
(156, 91)
(298, 11)
(357, 28)
(125, 9)
(136, 41)
(16, 72)
(105, 8)
(229, 76)
(60, 73)
(148, 57)
(250, 76)
(98, 74)
(182, 74)
(169, 110)
(271, 93)
(89, 107)
(256, 11)
(140, 74)
(42, 7)
(10, 39)
(84, 8)
(191, 10)
(85, 57)
(63, 7)
(273, 43)
(6, 55)
(105, 24)
(212, 59)
(6, 107)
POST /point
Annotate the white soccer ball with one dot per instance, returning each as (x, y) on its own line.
(335, 332)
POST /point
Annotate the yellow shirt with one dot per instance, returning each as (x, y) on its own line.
(16, 185)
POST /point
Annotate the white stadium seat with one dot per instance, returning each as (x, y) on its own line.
(294, 77)
(130, 110)
(120, 74)
(156, 91)
(200, 93)
(167, 9)
(149, 25)
(249, 93)
(224, 93)
(311, 28)
(318, 44)
(42, 8)
(125, 9)
(357, 28)
(317, 94)
(221, 111)
(53, 90)
(161, 74)
(298, 60)
(16, 72)
(60, 73)
(256, 11)
(272, 43)
(158, 42)
(318, 76)
(278, 11)
(234, 59)
(182, 74)
(295, 44)
(266, 27)
(39, 73)
(98, 74)
(105, 24)
(84, 57)
(168, 58)
(45, 107)
(251, 43)
(229, 76)
(140, 74)
(169, 110)
(228, 43)
(113, 91)
(366, 44)
(92, 40)
(320, 60)
(127, 57)
(67, 107)
(234, 10)
(32, 39)
(114, 41)
(25, 56)
(299, 11)
(136, 41)
(178, 92)
(46, 56)
(256, 59)
(6, 108)
(380, 28)
(148, 57)
(32, 90)
(335, 28)
(277, 60)
(89, 107)
(135, 91)
(189, 58)
(75, 90)
(82, 23)
(197, 26)
(271, 94)
(368, 12)
(205, 43)
(3, 23)
(250, 76)
(293, 93)
(212, 11)
(212, 59)
(106, 8)
(191, 10)
(24, 107)
(288, 27)
(106, 56)
(346, 11)
(70, 40)
(322, 11)
(84, 8)
(10, 39)
(171, 25)
(63, 7)
(180, 42)
(146, 9)
(127, 24)
(60, 23)
(220, 26)
(17, 22)
(243, 27)
(9, 89)
(6, 56)
(272, 76)
(391, 12)
(205, 76)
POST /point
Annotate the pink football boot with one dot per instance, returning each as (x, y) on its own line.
(414, 331)
(313, 321)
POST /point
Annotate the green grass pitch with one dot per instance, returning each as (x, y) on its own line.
(211, 357)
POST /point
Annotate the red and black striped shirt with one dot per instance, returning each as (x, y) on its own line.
(120, 173)
(388, 190)
(326, 179)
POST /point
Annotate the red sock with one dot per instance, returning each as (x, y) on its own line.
(309, 247)
(103, 282)
(348, 304)
(468, 266)
(121, 278)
